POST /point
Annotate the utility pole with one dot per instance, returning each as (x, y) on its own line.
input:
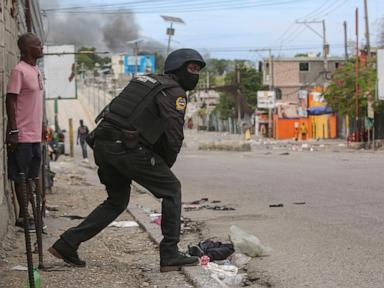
(345, 40)
(367, 38)
(357, 75)
(323, 36)
(325, 47)
(271, 88)
(238, 95)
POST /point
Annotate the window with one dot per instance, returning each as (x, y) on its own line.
(278, 93)
(304, 66)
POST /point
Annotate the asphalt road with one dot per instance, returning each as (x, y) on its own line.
(334, 240)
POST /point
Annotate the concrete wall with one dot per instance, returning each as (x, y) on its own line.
(12, 24)
(8, 59)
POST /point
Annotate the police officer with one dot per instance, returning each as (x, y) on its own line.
(138, 139)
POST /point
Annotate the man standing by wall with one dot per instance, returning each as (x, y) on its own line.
(24, 105)
(82, 133)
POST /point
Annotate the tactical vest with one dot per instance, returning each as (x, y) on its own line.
(135, 107)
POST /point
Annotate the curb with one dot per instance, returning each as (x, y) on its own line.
(198, 276)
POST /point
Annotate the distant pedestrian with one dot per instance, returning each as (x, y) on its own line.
(24, 104)
(303, 131)
(82, 133)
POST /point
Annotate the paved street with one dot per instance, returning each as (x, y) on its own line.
(334, 240)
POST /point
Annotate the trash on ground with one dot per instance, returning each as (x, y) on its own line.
(19, 268)
(299, 203)
(225, 274)
(204, 260)
(239, 259)
(276, 205)
(156, 220)
(52, 207)
(154, 216)
(220, 208)
(123, 224)
(73, 217)
(199, 204)
(214, 250)
(192, 207)
(187, 225)
(246, 243)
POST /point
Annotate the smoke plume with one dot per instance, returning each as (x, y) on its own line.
(108, 32)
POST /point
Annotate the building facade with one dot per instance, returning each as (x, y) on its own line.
(12, 24)
(289, 75)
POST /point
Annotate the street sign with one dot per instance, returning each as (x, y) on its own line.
(380, 73)
(266, 99)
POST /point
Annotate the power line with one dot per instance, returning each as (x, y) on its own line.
(180, 8)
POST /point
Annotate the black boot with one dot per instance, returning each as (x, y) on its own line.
(176, 262)
(60, 249)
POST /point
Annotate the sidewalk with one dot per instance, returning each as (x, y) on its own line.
(117, 257)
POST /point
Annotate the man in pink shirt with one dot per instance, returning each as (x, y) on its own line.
(24, 105)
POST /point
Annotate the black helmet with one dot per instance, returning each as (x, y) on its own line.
(178, 58)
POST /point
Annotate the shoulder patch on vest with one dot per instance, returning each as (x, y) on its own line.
(181, 103)
(146, 78)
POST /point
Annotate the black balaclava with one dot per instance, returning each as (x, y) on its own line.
(187, 80)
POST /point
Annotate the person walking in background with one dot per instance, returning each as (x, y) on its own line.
(82, 133)
(303, 131)
(25, 131)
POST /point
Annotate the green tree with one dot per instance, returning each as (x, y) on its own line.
(251, 81)
(225, 107)
(89, 58)
(341, 95)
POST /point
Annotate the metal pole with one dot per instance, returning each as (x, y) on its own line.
(345, 40)
(367, 37)
(238, 95)
(271, 88)
(169, 38)
(71, 150)
(357, 75)
(325, 47)
(28, 246)
(136, 55)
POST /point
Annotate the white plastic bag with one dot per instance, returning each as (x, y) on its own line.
(246, 243)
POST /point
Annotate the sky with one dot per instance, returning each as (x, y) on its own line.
(244, 25)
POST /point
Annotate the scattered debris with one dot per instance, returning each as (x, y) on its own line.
(239, 259)
(204, 260)
(73, 217)
(225, 274)
(52, 207)
(216, 251)
(276, 205)
(220, 208)
(19, 268)
(189, 226)
(199, 204)
(124, 224)
(157, 220)
(246, 243)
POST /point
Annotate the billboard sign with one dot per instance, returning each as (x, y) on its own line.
(303, 103)
(143, 64)
(380, 73)
(266, 99)
(59, 71)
